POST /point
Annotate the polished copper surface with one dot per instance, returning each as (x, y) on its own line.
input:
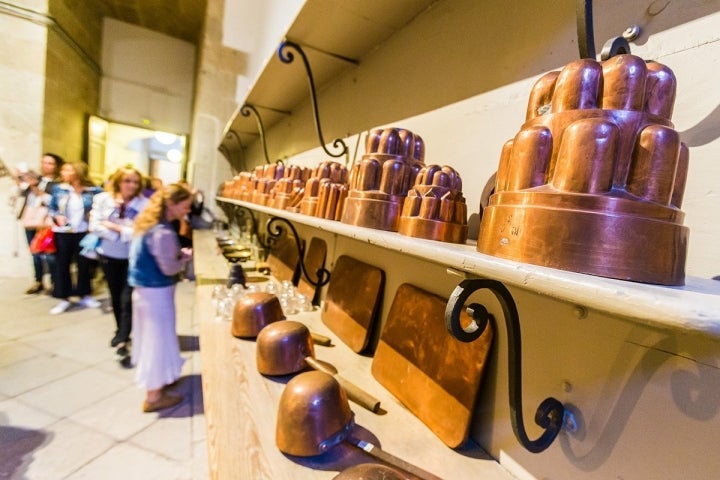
(379, 182)
(289, 189)
(313, 415)
(417, 354)
(282, 348)
(435, 208)
(352, 301)
(372, 471)
(594, 180)
(325, 191)
(283, 257)
(287, 347)
(253, 312)
(314, 261)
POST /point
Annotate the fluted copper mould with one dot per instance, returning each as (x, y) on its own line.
(288, 189)
(325, 191)
(593, 182)
(435, 208)
(313, 415)
(254, 311)
(379, 182)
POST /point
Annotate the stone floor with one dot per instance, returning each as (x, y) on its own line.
(68, 410)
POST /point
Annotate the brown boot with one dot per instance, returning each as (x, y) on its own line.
(165, 401)
(35, 289)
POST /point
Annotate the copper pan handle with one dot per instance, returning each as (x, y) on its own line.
(354, 393)
(385, 457)
(321, 340)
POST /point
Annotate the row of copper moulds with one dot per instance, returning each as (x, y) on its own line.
(592, 183)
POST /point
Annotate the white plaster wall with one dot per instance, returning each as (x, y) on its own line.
(146, 76)
(256, 28)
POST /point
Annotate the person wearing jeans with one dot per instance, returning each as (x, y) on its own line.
(69, 209)
(112, 218)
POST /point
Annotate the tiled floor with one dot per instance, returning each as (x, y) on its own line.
(68, 410)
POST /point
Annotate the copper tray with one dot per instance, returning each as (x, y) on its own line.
(352, 301)
(434, 375)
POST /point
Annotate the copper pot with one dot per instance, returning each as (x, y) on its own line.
(371, 471)
(253, 312)
(282, 348)
(313, 415)
(287, 347)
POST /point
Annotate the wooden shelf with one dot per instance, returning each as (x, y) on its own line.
(241, 405)
(326, 30)
(694, 307)
(241, 413)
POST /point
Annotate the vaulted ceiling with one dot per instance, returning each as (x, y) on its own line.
(181, 19)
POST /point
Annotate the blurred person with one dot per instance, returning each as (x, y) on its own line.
(35, 195)
(112, 219)
(156, 258)
(70, 205)
(152, 185)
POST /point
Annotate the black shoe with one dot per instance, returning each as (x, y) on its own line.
(122, 351)
(35, 289)
(125, 362)
(115, 341)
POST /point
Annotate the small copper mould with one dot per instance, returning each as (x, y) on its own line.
(435, 208)
(379, 182)
(594, 181)
(326, 191)
(287, 192)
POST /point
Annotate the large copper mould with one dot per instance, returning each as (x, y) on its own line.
(380, 181)
(326, 191)
(594, 180)
(435, 207)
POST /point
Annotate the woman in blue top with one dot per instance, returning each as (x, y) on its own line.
(156, 259)
(69, 208)
(112, 218)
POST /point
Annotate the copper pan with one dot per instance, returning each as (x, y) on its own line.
(287, 347)
(371, 471)
(314, 416)
(253, 312)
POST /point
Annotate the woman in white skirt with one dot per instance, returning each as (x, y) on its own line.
(155, 261)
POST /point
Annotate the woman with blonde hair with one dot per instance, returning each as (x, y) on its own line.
(156, 259)
(69, 209)
(112, 219)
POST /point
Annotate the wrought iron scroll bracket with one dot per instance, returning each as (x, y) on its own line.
(240, 213)
(586, 36)
(245, 112)
(550, 413)
(231, 134)
(286, 56)
(276, 229)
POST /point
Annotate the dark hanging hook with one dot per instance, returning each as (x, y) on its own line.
(586, 35)
(227, 152)
(275, 231)
(550, 413)
(287, 57)
(245, 111)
